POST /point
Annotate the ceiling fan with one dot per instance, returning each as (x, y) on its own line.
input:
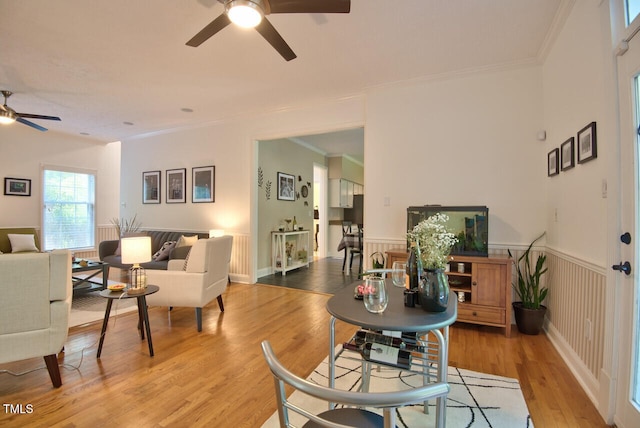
(9, 115)
(252, 14)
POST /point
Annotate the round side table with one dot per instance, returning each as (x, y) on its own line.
(143, 315)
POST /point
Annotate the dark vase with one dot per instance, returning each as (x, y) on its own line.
(529, 321)
(434, 290)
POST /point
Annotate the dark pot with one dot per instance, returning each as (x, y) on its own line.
(434, 290)
(529, 321)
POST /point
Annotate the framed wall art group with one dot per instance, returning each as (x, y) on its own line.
(584, 146)
(203, 179)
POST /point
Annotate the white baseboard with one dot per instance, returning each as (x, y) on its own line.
(585, 378)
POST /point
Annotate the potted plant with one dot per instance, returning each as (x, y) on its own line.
(530, 311)
(125, 226)
(433, 243)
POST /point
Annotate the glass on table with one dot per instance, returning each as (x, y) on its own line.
(375, 295)
(399, 274)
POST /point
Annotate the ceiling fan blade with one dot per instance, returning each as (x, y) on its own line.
(38, 116)
(309, 6)
(31, 124)
(214, 26)
(274, 38)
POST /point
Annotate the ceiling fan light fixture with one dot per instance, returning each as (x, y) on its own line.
(7, 117)
(245, 13)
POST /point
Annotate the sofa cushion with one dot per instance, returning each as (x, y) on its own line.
(187, 241)
(5, 244)
(22, 242)
(164, 251)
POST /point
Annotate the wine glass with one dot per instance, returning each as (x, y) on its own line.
(375, 295)
(399, 273)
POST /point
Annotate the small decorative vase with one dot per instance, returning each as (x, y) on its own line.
(434, 290)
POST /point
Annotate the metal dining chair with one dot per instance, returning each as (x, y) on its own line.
(346, 230)
(343, 417)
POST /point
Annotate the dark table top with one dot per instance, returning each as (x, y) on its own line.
(91, 265)
(109, 294)
(397, 317)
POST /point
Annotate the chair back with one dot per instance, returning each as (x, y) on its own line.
(212, 256)
(346, 228)
(343, 417)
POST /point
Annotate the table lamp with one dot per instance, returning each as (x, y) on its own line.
(136, 250)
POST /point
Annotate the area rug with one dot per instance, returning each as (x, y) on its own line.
(90, 307)
(476, 399)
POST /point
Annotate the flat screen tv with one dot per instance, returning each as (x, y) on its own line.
(470, 224)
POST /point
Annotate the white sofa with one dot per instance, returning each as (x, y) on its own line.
(197, 281)
(35, 306)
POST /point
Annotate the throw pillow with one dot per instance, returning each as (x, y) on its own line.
(22, 242)
(187, 241)
(163, 252)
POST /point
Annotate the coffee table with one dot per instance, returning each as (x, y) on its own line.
(143, 314)
(84, 283)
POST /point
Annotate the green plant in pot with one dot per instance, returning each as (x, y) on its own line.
(530, 311)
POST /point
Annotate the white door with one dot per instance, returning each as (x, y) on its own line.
(627, 412)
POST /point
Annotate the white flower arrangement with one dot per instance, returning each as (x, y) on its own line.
(434, 241)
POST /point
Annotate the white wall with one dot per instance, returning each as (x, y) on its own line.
(579, 84)
(463, 141)
(466, 140)
(578, 89)
(232, 147)
(23, 151)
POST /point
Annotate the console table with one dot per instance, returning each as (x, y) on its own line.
(299, 240)
(485, 283)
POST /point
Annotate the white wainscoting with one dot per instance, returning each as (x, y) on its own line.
(576, 294)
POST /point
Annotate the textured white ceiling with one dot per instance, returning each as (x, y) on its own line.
(98, 64)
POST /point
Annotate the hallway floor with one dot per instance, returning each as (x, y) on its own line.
(323, 275)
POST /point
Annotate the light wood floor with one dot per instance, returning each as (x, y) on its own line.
(218, 378)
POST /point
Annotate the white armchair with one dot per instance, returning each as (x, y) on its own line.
(34, 310)
(194, 283)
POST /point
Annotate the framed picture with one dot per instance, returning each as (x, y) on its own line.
(566, 155)
(176, 186)
(587, 143)
(151, 187)
(203, 181)
(17, 186)
(552, 163)
(286, 187)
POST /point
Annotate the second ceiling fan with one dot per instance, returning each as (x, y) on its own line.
(255, 11)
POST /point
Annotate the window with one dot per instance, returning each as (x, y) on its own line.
(632, 10)
(68, 208)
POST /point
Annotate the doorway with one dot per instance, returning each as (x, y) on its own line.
(320, 198)
(627, 334)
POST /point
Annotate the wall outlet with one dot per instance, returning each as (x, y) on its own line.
(587, 329)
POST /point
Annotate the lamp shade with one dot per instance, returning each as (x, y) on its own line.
(136, 250)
